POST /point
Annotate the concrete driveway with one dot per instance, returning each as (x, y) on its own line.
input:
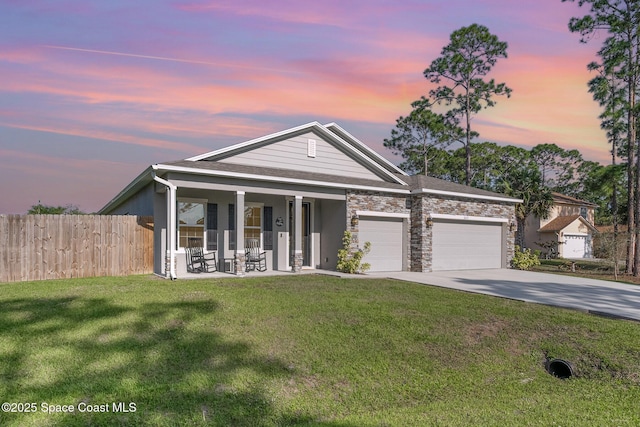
(595, 296)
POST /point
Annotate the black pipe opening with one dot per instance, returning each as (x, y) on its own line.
(559, 368)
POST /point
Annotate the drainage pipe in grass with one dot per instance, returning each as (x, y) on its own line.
(171, 223)
(559, 368)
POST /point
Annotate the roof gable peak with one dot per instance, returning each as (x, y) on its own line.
(356, 150)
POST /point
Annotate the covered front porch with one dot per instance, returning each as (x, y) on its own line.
(295, 228)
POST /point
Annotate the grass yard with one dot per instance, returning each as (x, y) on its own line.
(304, 351)
(592, 269)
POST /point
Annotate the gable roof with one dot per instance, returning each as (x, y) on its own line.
(354, 148)
(563, 198)
(562, 222)
(394, 181)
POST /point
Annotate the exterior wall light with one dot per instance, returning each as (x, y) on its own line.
(354, 220)
(513, 226)
(429, 222)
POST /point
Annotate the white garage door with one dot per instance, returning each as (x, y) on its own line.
(385, 235)
(575, 246)
(466, 245)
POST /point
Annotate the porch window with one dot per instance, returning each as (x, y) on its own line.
(191, 222)
(253, 222)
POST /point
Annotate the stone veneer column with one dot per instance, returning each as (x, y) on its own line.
(167, 264)
(420, 237)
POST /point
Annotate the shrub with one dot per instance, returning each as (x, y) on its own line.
(525, 259)
(351, 261)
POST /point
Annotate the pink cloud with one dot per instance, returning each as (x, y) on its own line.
(351, 87)
(291, 11)
(108, 136)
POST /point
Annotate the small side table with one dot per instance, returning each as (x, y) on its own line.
(228, 265)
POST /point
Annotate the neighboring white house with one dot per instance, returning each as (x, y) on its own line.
(569, 224)
(297, 192)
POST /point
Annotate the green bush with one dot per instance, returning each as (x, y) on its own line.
(350, 261)
(525, 259)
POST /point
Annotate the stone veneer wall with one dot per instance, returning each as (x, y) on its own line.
(426, 204)
(376, 202)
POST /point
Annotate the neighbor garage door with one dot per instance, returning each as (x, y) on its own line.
(462, 245)
(575, 246)
(385, 235)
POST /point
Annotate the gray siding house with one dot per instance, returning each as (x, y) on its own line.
(297, 191)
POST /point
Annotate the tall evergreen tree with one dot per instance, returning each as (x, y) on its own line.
(620, 19)
(420, 137)
(463, 65)
(608, 90)
(559, 168)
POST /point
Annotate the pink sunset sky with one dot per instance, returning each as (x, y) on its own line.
(93, 92)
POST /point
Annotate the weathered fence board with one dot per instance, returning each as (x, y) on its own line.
(40, 247)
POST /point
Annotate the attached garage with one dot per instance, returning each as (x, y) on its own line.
(386, 236)
(467, 244)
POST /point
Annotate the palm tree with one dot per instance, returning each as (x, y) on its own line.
(526, 184)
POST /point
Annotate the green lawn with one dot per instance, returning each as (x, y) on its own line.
(308, 351)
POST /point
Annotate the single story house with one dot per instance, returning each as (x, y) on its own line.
(568, 230)
(297, 191)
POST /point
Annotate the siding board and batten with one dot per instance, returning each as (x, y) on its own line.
(296, 153)
(42, 247)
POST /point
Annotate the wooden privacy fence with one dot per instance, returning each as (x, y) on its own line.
(39, 247)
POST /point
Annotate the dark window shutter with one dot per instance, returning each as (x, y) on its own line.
(212, 226)
(232, 217)
(232, 226)
(268, 228)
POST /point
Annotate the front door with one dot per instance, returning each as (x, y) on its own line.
(306, 234)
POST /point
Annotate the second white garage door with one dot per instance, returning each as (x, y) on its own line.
(460, 245)
(385, 235)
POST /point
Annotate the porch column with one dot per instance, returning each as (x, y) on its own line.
(296, 264)
(239, 262)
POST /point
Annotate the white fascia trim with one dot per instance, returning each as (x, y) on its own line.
(382, 214)
(129, 190)
(468, 218)
(576, 234)
(467, 195)
(588, 224)
(309, 126)
(363, 146)
(197, 171)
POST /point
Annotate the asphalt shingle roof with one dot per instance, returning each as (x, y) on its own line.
(431, 183)
(283, 173)
(415, 182)
(559, 223)
(563, 198)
